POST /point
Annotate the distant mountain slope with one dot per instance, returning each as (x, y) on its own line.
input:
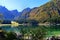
(6, 13)
(14, 14)
(24, 14)
(44, 12)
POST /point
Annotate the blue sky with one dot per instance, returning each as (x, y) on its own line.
(22, 4)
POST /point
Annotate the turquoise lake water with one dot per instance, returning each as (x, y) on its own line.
(51, 30)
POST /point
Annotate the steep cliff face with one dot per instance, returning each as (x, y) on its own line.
(44, 12)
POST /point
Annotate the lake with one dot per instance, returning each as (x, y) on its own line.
(50, 30)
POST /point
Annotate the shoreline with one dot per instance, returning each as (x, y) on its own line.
(9, 24)
(23, 24)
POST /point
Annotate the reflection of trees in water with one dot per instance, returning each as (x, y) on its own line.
(2, 36)
(36, 33)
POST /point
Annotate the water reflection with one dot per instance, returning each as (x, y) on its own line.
(51, 30)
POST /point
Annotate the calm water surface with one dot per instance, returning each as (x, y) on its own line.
(51, 30)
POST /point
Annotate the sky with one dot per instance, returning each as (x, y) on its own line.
(22, 4)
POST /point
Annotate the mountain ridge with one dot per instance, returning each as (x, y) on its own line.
(46, 11)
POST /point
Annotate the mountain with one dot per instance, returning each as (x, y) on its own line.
(6, 13)
(14, 14)
(33, 12)
(46, 11)
(24, 14)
